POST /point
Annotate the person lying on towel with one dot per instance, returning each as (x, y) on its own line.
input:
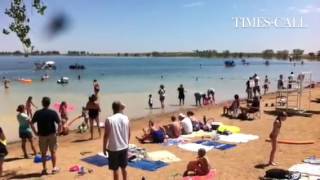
(199, 167)
(153, 134)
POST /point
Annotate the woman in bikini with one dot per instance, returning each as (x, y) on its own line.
(93, 111)
(29, 105)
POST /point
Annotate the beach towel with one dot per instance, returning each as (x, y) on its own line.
(237, 138)
(200, 133)
(312, 160)
(175, 141)
(164, 156)
(194, 147)
(309, 169)
(147, 165)
(232, 129)
(96, 160)
(210, 176)
(216, 145)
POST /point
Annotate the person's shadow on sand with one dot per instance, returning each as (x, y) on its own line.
(13, 159)
(261, 166)
(26, 176)
(80, 140)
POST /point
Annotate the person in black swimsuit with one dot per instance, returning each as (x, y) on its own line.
(93, 111)
(181, 95)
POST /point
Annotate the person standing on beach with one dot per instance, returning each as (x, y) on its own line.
(47, 120)
(96, 87)
(181, 94)
(266, 85)
(25, 130)
(280, 84)
(93, 111)
(5, 82)
(29, 105)
(150, 101)
(162, 95)
(282, 116)
(3, 149)
(116, 140)
(256, 88)
(290, 80)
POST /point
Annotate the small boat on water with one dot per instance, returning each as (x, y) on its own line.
(44, 77)
(48, 65)
(63, 80)
(229, 63)
(77, 66)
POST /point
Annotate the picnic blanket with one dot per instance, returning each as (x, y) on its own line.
(143, 164)
(210, 176)
(200, 133)
(237, 138)
(164, 156)
(305, 168)
(216, 145)
(194, 147)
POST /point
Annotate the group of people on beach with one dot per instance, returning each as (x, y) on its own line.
(207, 98)
(117, 127)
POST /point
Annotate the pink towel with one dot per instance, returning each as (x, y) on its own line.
(210, 176)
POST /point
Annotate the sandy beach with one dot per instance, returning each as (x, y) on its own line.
(237, 163)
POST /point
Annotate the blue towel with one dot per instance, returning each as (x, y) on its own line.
(147, 165)
(141, 164)
(96, 160)
(216, 145)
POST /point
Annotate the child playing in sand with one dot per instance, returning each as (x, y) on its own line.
(25, 131)
(84, 125)
(282, 116)
(199, 167)
(3, 149)
(29, 105)
(150, 101)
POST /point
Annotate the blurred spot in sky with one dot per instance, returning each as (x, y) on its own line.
(57, 25)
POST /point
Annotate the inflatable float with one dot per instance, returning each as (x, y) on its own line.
(25, 80)
(293, 142)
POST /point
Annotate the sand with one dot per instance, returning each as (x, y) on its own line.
(238, 163)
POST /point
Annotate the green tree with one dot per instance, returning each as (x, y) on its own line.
(267, 54)
(297, 54)
(284, 54)
(20, 21)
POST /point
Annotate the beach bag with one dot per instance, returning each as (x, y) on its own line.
(282, 174)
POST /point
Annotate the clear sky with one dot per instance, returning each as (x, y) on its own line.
(168, 25)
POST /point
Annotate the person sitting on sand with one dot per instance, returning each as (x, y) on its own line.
(186, 124)
(84, 125)
(29, 105)
(173, 130)
(150, 101)
(235, 105)
(196, 124)
(282, 116)
(25, 131)
(152, 134)
(3, 149)
(93, 110)
(255, 106)
(199, 167)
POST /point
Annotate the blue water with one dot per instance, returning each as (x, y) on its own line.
(132, 79)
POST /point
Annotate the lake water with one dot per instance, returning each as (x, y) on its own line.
(131, 80)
